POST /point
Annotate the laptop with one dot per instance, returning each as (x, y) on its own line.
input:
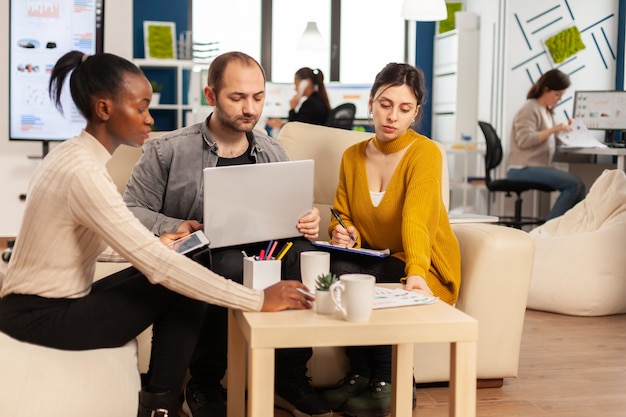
(256, 202)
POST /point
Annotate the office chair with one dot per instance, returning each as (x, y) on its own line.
(342, 116)
(493, 158)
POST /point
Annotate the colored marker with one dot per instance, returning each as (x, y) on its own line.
(284, 250)
(269, 254)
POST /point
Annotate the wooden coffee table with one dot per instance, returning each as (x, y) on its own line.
(257, 335)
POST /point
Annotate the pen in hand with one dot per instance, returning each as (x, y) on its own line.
(342, 223)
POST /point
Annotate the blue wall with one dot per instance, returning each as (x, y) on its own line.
(621, 45)
(161, 10)
(424, 48)
(169, 11)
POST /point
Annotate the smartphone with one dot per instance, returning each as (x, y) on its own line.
(304, 84)
(193, 241)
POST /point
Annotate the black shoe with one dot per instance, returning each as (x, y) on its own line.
(351, 385)
(299, 398)
(205, 400)
(158, 404)
(373, 402)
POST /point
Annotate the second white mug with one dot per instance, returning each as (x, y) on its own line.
(312, 264)
(353, 295)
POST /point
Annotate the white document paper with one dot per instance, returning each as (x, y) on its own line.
(579, 137)
(397, 297)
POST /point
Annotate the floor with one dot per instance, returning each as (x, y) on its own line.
(569, 367)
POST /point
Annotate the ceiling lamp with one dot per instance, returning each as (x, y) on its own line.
(424, 10)
(311, 38)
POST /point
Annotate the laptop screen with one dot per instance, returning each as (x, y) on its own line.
(258, 202)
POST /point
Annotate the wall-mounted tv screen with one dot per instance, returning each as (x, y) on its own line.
(601, 110)
(41, 31)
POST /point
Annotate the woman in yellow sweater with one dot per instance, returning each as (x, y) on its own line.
(389, 196)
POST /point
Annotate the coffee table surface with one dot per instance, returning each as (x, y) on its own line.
(436, 322)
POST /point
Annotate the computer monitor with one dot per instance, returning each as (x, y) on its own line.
(358, 94)
(40, 33)
(277, 98)
(601, 110)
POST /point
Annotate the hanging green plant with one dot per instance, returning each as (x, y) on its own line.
(564, 44)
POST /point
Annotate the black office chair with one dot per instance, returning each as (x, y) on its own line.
(342, 116)
(493, 158)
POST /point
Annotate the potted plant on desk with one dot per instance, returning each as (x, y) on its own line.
(323, 302)
(156, 93)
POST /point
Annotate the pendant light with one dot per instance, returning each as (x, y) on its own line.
(311, 39)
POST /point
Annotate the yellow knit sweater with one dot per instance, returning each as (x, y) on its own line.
(411, 219)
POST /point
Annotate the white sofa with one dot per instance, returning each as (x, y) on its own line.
(496, 264)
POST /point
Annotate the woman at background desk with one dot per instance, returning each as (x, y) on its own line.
(315, 108)
(74, 211)
(533, 142)
(389, 196)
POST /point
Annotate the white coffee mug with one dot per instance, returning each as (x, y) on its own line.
(313, 264)
(353, 295)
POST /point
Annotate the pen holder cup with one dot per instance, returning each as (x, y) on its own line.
(260, 274)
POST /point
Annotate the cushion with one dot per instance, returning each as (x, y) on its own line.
(41, 381)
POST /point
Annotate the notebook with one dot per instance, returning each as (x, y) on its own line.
(256, 202)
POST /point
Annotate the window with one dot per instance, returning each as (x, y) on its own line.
(289, 19)
(372, 34)
(227, 23)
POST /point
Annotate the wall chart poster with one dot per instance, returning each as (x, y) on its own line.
(41, 31)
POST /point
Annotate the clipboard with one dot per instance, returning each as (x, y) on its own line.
(379, 253)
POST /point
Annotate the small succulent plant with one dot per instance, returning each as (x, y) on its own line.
(324, 281)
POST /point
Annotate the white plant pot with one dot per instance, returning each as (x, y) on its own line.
(156, 98)
(324, 303)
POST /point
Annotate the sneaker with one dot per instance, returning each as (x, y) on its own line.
(350, 386)
(299, 398)
(373, 402)
(205, 400)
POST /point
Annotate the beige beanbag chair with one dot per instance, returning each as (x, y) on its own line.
(580, 266)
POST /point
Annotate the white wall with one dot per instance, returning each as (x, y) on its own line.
(507, 60)
(510, 56)
(15, 166)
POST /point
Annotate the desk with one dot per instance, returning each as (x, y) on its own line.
(258, 334)
(620, 153)
(456, 218)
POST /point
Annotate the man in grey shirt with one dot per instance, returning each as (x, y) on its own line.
(165, 192)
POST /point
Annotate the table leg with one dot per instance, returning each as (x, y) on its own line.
(236, 380)
(260, 382)
(621, 162)
(402, 379)
(463, 379)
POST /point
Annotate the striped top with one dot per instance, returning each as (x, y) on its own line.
(73, 211)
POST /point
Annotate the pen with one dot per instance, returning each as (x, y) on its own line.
(342, 223)
(284, 250)
(301, 291)
(269, 254)
(262, 255)
(269, 246)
